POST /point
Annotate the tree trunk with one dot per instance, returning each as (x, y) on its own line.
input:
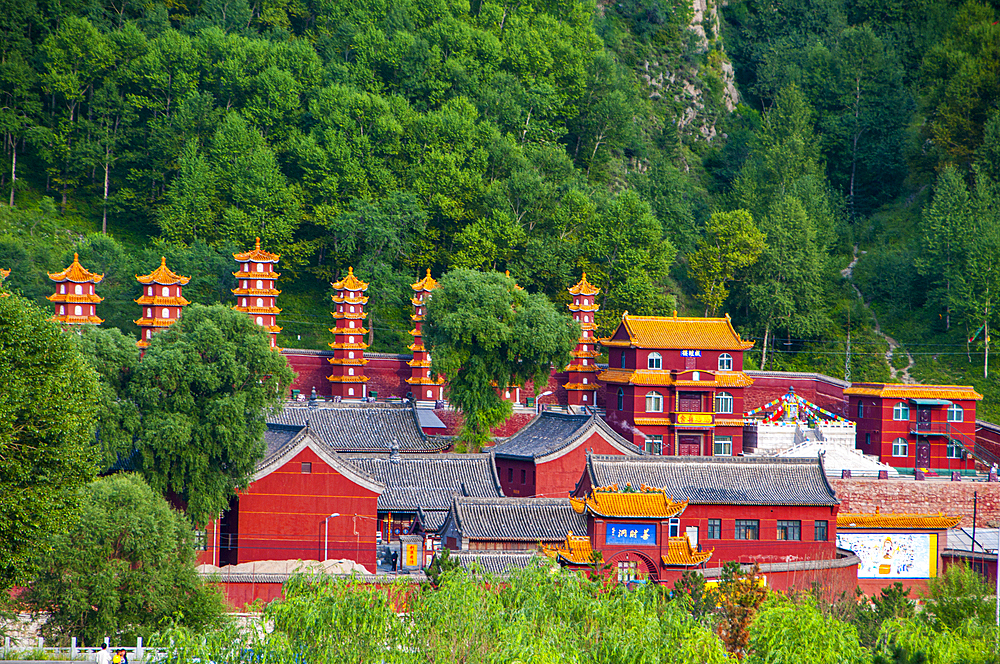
(104, 221)
(986, 345)
(763, 353)
(13, 171)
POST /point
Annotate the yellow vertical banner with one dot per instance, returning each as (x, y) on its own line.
(412, 556)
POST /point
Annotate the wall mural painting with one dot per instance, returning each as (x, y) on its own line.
(892, 555)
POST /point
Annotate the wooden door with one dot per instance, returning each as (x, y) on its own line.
(923, 455)
(688, 445)
(689, 402)
(923, 418)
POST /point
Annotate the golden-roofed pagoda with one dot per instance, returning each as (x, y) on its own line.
(348, 361)
(75, 300)
(256, 295)
(897, 521)
(425, 388)
(582, 371)
(3, 275)
(161, 300)
(647, 503)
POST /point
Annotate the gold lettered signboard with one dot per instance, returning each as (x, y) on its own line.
(412, 556)
(694, 418)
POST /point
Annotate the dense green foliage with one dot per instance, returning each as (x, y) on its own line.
(47, 408)
(125, 565)
(488, 334)
(545, 615)
(545, 138)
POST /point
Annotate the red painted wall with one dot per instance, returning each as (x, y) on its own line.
(509, 471)
(281, 515)
(557, 478)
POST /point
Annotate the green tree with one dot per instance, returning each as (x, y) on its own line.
(732, 243)
(485, 333)
(787, 633)
(125, 566)
(204, 387)
(46, 432)
(956, 596)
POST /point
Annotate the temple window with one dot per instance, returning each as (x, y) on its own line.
(256, 267)
(166, 313)
(260, 320)
(260, 302)
(955, 450)
(352, 309)
(78, 310)
(654, 402)
(584, 380)
(627, 570)
(577, 301)
(350, 391)
(78, 289)
(820, 529)
(586, 319)
(723, 446)
(900, 448)
(149, 291)
(244, 283)
(62, 310)
(350, 371)
(166, 292)
(350, 323)
(62, 288)
(584, 362)
(584, 396)
(246, 267)
(790, 530)
(674, 528)
(747, 529)
(714, 529)
(654, 361)
(260, 285)
(901, 412)
(725, 362)
(861, 410)
(350, 355)
(429, 394)
(244, 302)
(350, 340)
(585, 347)
(149, 333)
(723, 402)
(623, 359)
(955, 413)
(621, 399)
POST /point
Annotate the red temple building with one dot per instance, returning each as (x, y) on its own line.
(675, 385)
(75, 300)
(581, 386)
(930, 427)
(256, 294)
(161, 301)
(425, 388)
(347, 375)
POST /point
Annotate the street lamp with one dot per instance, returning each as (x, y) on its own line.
(326, 535)
(538, 401)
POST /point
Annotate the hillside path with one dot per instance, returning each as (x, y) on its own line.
(901, 375)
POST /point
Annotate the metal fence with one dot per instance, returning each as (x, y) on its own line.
(14, 649)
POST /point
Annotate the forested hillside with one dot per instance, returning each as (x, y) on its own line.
(687, 156)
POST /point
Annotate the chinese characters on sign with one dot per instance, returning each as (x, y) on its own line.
(690, 353)
(412, 555)
(643, 534)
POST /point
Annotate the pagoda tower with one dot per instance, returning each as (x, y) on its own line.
(74, 299)
(347, 375)
(425, 388)
(3, 275)
(581, 385)
(256, 294)
(161, 301)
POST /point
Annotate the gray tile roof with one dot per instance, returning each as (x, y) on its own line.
(514, 519)
(553, 431)
(429, 481)
(278, 435)
(497, 563)
(720, 480)
(361, 427)
(431, 520)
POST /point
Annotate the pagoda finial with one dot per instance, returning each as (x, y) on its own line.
(163, 261)
(428, 273)
(350, 271)
(258, 244)
(76, 257)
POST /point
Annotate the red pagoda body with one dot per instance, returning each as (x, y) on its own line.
(347, 375)
(161, 301)
(75, 300)
(581, 386)
(425, 388)
(256, 294)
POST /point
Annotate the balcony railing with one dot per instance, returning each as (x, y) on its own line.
(930, 428)
(988, 457)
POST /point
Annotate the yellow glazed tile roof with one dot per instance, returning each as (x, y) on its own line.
(903, 521)
(425, 284)
(681, 553)
(576, 549)
(584, 287)
(163, 275)
(903, 391)
(674, 332)
(76, 273)
(350, 282)
(647, 502)
(257, 255)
